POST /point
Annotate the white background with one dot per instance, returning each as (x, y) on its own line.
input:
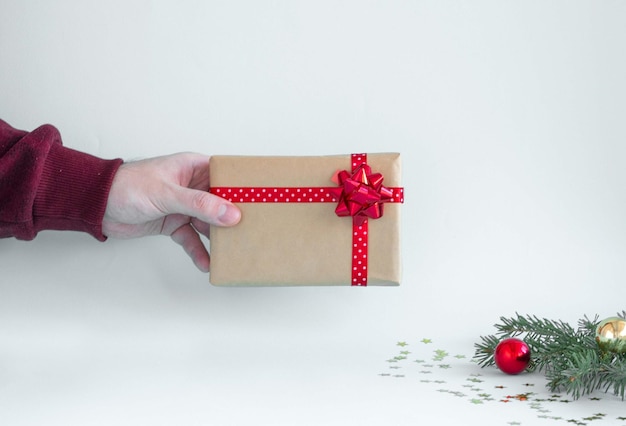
(510, 120)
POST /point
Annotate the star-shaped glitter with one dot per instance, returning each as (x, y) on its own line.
(594, 417)
(426, 341)
(440, 355)
(402, 344)
(521, 396)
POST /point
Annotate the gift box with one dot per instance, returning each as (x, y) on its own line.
(316, 220)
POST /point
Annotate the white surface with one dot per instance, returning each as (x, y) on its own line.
(510, 119)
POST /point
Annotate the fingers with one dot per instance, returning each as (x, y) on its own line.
(203, 206)
(189, 239)
(202, 227)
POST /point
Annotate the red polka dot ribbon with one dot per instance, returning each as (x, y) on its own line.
(359, 194)
(255, 194)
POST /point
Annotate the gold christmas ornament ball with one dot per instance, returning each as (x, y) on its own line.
(611, 335)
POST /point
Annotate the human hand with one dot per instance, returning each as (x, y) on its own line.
(167, 196)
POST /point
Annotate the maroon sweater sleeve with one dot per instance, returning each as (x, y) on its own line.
(44, 185)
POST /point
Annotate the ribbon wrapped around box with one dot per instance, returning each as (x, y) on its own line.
(317, 220)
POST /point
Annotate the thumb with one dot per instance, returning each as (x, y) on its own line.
(202, 205)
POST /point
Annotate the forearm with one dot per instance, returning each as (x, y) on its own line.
(44, 185)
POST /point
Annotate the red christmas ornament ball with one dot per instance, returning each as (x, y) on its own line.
(512, 355)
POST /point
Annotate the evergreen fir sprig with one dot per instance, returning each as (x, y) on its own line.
(570, 358)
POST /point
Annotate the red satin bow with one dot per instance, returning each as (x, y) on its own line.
(361, 194)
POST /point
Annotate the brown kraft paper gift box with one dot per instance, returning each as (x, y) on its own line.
(300, 243)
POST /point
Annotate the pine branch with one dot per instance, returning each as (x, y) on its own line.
(578, 374)
(484, 351)
(543, 336)
(614, 376)
(570, 358)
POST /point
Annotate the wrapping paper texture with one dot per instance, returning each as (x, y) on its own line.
(300, 244)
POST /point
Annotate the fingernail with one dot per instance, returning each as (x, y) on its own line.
(228, 214)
